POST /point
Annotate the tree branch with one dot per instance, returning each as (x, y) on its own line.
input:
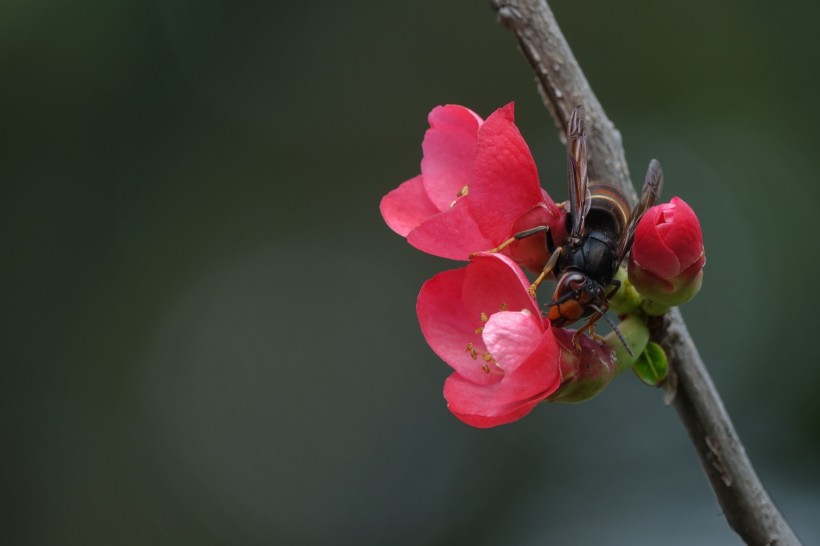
(563, 86)
(747, 506)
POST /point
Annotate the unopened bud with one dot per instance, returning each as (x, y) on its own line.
(585, 369)
(667, 256)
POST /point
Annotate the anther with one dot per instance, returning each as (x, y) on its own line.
(460, 193)
(470, 349)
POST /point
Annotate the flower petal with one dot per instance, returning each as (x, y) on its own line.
(537, 376)
(650, 284)
(649, 251)
(531, 252)
(449, 147)
(504, 184)
(493, 283)
(407, 206)
(452, 234)
(468, 402)
(448, 329)
(684, 236)
(514, 396)
(510, 336)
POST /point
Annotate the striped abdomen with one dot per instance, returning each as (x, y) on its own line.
(608, 211)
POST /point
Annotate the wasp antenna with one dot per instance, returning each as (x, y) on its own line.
(614, 329)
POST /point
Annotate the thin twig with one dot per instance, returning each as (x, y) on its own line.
(747, 506)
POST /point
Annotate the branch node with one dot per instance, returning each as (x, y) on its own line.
(717, 460)
(507, 15)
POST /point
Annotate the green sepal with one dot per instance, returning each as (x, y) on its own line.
(626, 299)
(636, 333)
(652, 365)
(653, 308)
(661, 297)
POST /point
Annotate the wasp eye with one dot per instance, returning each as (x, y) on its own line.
(576, 280)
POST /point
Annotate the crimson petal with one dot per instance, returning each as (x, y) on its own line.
(504, 184)
(452, 234)
(449, 147)
(449, 330)
(404, 208)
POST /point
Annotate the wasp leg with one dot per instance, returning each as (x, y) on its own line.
(547, 269)
(517, 237)
(590, 325)
(600, 312)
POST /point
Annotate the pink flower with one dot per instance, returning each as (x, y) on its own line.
(478, 186)
(481, 320)
(667, 257)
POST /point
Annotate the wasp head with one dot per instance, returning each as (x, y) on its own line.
(575, 297)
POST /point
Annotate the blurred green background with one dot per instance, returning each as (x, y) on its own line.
(209, 334)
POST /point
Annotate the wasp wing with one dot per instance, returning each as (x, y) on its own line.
(652, 186)
(579, 198)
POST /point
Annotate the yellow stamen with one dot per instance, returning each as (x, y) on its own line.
(495, 369)
(460, 193)
(470, 349)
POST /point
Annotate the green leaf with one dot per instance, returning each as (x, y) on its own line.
(651, 366)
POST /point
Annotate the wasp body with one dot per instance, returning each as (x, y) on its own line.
(587, 265)
(601, 228)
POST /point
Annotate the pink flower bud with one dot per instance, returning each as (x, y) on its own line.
(585, 370)
(667, 257)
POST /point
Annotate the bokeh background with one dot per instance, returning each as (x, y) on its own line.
(209, 334)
